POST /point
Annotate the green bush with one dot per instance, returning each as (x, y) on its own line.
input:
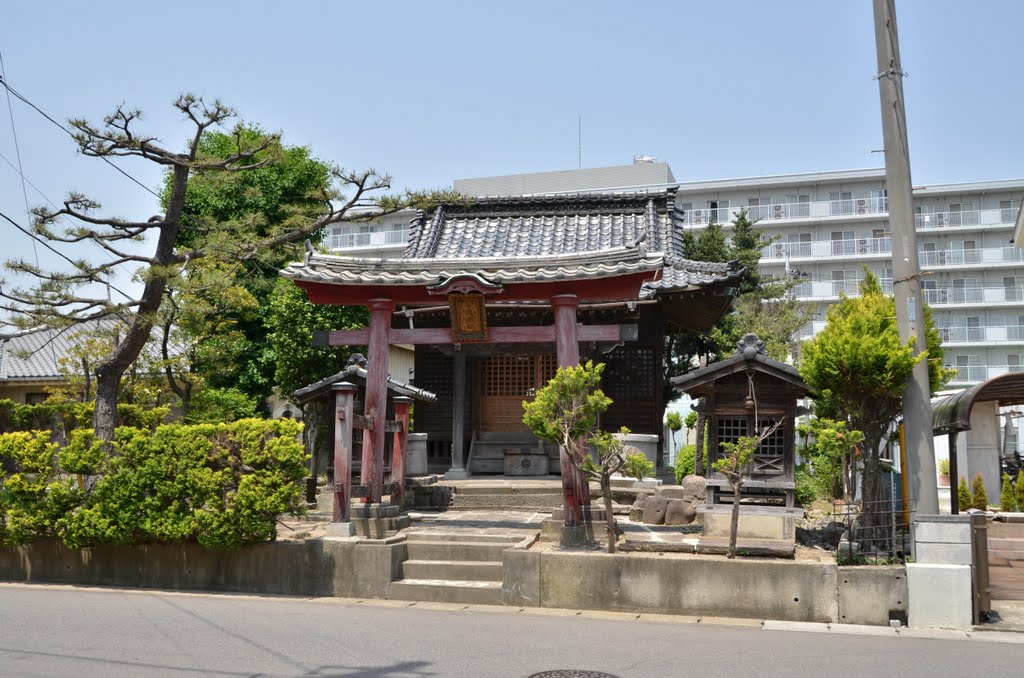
(216, 405)
(978, 493)
(686, 460)
(963, 494)
(1007, 500)
(1018, 489)
(638, 466)
(944, 466)
(33, 499)
(222, 485)
(807, 486)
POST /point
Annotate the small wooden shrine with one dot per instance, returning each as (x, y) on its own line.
(738, 396)
(343, 395)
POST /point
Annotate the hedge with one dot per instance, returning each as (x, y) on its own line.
(222, 485)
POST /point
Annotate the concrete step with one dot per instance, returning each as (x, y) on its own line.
(472, 537)
(523, 487)
(452, 570)
(998, 530)
(1008, 554)
(448, 550)
(507, 502)
(439, 591)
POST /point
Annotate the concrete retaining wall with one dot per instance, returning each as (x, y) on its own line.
(318, 567)
(633, 582)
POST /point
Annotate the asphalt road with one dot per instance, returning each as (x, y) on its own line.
(64, 631)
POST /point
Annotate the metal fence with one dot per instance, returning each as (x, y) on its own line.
(876, 533)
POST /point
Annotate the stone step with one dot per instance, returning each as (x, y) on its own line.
(1001, 530)
(504, 487)
(472, 537)
(771, 548)
(507, 502)
(1008, 554)
(463, 551)
(452, 570)
(439, 591)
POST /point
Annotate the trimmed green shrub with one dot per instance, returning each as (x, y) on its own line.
(963, 494)
(979, 494)
(807, 490)
(638, 466)
(686, 459)
(944, 466)
(222, 485)
(1007, 500)
(33, 499)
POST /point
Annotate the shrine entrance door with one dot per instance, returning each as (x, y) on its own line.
(503, 382)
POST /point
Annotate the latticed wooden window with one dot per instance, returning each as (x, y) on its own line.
(630, 372)
(435, 371)
(509, 375)
(773, 444)
(729, 430)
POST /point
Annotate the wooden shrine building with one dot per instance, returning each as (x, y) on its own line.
(496, 293)
(748, 391)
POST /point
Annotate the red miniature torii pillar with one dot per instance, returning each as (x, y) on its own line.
(575, 488)
(375, 409)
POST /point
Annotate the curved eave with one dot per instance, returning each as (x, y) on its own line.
(952, 413)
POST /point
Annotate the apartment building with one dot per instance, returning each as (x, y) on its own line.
(826, 227)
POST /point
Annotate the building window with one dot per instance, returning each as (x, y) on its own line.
(841, 202)
(36, 398)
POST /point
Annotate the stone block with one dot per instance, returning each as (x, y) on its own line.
(654, 510)
(525, 463)
(416, 457)
(942, 554)
(943, 530)
(872, 594)
(754, 523)
(939, 596)
(520, 578)
(680, 512)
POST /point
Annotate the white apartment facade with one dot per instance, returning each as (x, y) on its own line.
(826, 227)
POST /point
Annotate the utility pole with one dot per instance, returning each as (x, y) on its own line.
(917, 411)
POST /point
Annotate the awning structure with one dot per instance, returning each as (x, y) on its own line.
(953, 412)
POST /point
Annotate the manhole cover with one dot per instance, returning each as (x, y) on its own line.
(572, 673)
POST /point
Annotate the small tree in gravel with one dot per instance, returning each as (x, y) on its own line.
(1007, 500)
(609, 461)
(978, 493)
(733, 466)
(1018, 489)
(963, 495)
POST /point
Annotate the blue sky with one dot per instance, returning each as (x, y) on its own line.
(433, 91)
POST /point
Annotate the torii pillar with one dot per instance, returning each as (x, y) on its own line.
(375, 409)
(575, 488)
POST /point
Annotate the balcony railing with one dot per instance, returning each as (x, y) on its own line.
(988, 334)
(817, 249)
(973, 374)
(981, 294)
(792, 210)
(971, 257)
(831, 289)
(938, 220)
(341, 241)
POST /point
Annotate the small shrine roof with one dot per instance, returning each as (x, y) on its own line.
(356, 369)
(750, 354)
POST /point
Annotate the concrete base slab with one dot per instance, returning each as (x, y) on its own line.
(346, 529)
(940, 596)
(768, 548)
(456, 474)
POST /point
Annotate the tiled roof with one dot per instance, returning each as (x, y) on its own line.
(37, 353)
(356, 369)
(535, 239)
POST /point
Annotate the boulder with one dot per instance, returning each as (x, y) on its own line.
(654, 510)
(636, 511)
(695, 490)
(680, 512)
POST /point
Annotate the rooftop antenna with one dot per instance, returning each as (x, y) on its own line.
(579, 140)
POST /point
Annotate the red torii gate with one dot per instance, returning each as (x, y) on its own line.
(566, 334)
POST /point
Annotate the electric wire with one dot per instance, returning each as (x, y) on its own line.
(17, 152)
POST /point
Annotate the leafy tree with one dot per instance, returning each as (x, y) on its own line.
(566, 412)
(609, 462)
(833, 457)
(674, 421)
(686, 462)
(638, 466)
(690, 422)
(1018, 490)
(859, 368)
(221, 312)
(63, 298)
(291, 319)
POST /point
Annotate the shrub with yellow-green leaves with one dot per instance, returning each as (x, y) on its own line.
(222, 485)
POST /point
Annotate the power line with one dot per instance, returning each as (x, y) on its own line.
(11, 90)
(60, 254)
(17, 152)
